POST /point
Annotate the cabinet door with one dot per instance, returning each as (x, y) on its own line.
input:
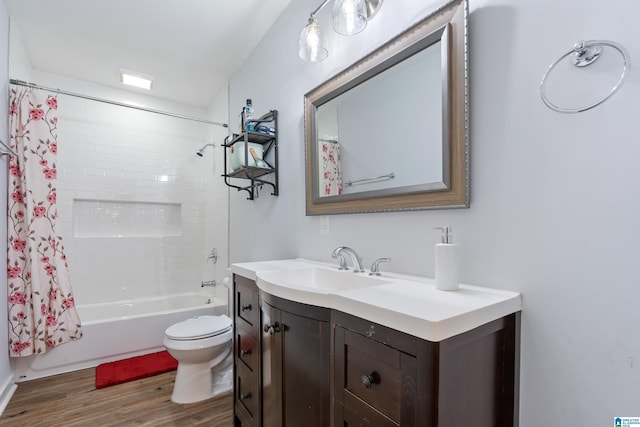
(307, 369)
(296, 363)
(271, 367)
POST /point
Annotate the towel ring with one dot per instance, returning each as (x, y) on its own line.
(585, 53)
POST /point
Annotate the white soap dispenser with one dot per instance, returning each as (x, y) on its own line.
(446, 261)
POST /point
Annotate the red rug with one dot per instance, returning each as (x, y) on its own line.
(121, 371)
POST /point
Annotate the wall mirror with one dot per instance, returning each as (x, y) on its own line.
(390, 132)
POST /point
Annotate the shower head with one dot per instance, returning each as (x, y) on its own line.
(200, 152)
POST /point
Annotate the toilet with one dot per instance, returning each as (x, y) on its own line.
(202, 347)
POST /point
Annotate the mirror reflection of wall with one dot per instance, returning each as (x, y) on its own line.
(409, 95)
(395, 124)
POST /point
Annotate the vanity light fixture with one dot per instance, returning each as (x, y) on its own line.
(132, 78)
(312, 45)
(349, 17)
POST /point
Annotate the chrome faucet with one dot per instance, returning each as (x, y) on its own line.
(207, 283)
(375, 267)
(343, 262)
(355, 259)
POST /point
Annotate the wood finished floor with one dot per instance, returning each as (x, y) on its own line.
(71, 400)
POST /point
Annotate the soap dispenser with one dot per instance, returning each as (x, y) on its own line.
(446, 261)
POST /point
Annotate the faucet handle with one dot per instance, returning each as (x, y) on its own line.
(375, 267)
(213, 255)
(343, 262)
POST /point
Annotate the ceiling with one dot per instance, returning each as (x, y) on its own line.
(191, 47)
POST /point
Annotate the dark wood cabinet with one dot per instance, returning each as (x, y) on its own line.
(271, 358)
(293, 364)
(296, 341)
(246, 344)
(383, 377)
(374, 379)
(303, 365)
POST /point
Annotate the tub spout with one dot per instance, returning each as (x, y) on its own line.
(207, 283)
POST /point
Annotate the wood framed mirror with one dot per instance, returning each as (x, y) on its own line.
(390, 132)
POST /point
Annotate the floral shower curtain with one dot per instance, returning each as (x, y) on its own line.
(331, 176)
(42, 313)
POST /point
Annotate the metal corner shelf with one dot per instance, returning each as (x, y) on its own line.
(256, 175)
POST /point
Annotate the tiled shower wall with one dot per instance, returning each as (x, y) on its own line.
(133, 199)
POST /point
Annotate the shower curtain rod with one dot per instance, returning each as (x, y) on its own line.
(120, 104)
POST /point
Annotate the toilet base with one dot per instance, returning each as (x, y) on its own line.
(192, 384)
(199, 381)
(219, 389)
(223, 377)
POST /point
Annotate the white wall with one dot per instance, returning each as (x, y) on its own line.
(6, 375)
(554, 211)
(114, 161)
(19, 63)
(133, 195)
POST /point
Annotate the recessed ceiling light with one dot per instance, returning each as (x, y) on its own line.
(136, 79)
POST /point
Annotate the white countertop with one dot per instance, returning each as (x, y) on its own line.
(406, 303)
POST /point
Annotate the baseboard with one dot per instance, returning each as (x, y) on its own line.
(6, 392)
(25, 371)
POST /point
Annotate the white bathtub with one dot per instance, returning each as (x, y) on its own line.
(117, 330)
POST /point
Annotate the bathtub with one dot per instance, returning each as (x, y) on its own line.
(117, 330)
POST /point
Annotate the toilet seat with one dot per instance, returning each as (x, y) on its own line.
(197, 328)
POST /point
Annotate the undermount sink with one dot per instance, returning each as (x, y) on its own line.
(321, 279)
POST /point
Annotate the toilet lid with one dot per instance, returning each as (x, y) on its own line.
(199, 327)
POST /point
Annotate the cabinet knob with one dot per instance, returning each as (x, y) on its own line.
(246, 307)
(368, 381)
(245, 352)
(245, 396)
(271, 329)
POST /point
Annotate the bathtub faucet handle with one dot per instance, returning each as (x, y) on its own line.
(213, 255)
(207, 283)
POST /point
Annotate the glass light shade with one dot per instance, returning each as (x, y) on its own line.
(311, 45)
(349, 16)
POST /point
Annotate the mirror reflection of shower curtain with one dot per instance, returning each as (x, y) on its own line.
(330, 173)
(42, 311)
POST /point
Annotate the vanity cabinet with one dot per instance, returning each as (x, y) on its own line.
(321, 367)
(383, 377)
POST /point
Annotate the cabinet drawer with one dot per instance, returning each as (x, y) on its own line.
(247, 348)
(247, 307)
(372, 373)
(356, 413)
(247, 395)
(243, 419)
